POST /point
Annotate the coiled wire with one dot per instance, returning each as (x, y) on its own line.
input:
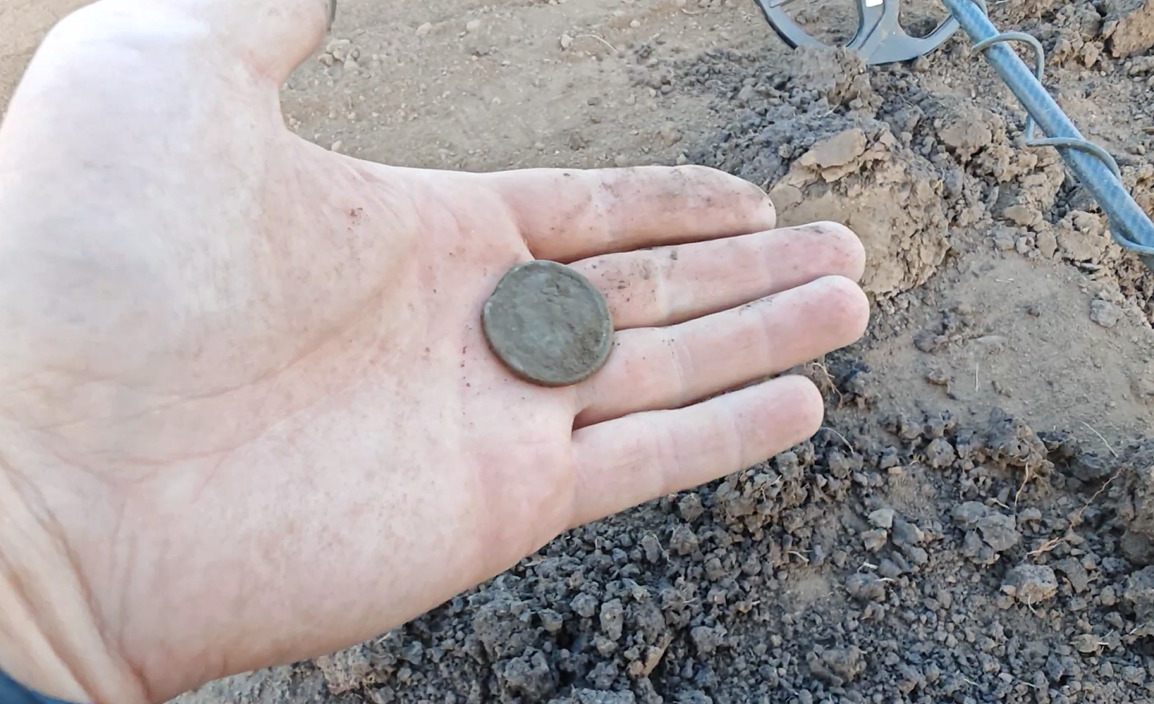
(1031, 125)
(1130, 226)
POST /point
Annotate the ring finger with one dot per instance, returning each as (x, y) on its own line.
(670, 367)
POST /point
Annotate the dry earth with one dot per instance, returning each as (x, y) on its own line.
(976, 522)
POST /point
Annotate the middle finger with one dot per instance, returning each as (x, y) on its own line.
(668, 285)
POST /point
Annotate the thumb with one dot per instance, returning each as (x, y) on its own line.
(273, 36)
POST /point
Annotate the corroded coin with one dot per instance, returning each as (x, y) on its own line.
(548, 324)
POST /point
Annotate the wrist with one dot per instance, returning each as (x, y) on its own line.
(50, 639)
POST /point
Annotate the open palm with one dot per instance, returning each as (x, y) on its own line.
(244, 386)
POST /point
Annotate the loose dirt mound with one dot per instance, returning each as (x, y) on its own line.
(809, 133)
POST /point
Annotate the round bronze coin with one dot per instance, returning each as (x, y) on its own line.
(548, 324)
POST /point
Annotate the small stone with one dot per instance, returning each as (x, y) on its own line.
(1047, 244)
(906, 533)
(882, 518)
(1075, 572)
(424, 29)
(875, 540)
(940, 453)
(1029, 515)
(551, 621)
(706, 639)
(566, 41)
(652, 547)
(1086, 643)
(340, 48)
(838, 150)
(670, 135)
(1134, 675)
(888, 569)
(1031, 584)
(472, 26)
(584, 605)
(338, 146)
(917, 555)
(865, 587)
(1105, 313)
(1107, 597)
(1080, 246)
(612, 618)
(1004, 239)
(1021, 215)
(635, 24)
(969, 513)
(684, 540)
(999, 531)
(938, 377)
(621, 161)
(690, 507)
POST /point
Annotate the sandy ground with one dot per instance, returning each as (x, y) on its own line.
(974, 524)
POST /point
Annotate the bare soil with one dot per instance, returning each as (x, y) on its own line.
(976, 521)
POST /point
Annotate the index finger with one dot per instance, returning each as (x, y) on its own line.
(570, 214)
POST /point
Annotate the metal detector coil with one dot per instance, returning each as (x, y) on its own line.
(879, 39)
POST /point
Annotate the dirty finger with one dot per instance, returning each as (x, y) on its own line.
(567, 214)
(630, 460)
(657, 368)
(672, 284)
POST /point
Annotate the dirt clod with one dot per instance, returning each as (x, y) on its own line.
(1105, 313)
(1129, 26)
(1031, 584)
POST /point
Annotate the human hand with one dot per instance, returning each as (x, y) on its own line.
(248, 412)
